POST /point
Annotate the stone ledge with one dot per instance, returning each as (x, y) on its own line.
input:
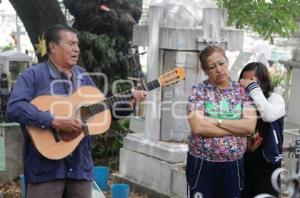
(137, 187)
(153, 174)
(166, 151)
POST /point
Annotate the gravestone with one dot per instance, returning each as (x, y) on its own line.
(175, 33)
(291, 96)
(292, 81)
(293, 108)
(11, 152)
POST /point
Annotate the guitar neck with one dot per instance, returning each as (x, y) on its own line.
(121, 97)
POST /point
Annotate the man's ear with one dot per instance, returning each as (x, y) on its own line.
(52, 47)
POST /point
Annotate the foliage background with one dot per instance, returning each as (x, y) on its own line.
(266, 17)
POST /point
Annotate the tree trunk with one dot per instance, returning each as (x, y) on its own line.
(105, 36)
(38, 15)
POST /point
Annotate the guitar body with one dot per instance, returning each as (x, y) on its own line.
(68, 107)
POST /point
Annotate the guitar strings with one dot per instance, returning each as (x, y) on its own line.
(123, 96)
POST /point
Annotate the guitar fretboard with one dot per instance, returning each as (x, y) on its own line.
(121, 97)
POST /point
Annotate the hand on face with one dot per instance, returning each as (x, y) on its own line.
(247, 78)
(245, 82)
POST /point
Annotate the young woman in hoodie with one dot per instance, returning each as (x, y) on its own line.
(264, 153)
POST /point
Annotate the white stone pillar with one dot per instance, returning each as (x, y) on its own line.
(152, 112)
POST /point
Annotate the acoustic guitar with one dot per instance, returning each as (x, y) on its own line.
(90, 106)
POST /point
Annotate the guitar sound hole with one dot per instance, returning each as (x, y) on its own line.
(83, 114)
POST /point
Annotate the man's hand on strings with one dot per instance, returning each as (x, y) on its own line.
(138, 96)
(67, 125)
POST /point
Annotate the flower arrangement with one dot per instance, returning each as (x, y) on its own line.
(277, 74)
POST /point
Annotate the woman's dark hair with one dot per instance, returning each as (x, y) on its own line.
(262, 75)
(53, 34)
(207, 52)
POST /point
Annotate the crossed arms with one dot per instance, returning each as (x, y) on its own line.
(210, 127)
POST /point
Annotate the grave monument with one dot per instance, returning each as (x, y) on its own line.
(175, 33)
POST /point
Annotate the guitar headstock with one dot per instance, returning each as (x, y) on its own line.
(172, 76)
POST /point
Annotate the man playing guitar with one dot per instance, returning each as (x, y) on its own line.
(72, 175)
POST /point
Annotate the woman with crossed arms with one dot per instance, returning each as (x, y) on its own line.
(221, 115)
